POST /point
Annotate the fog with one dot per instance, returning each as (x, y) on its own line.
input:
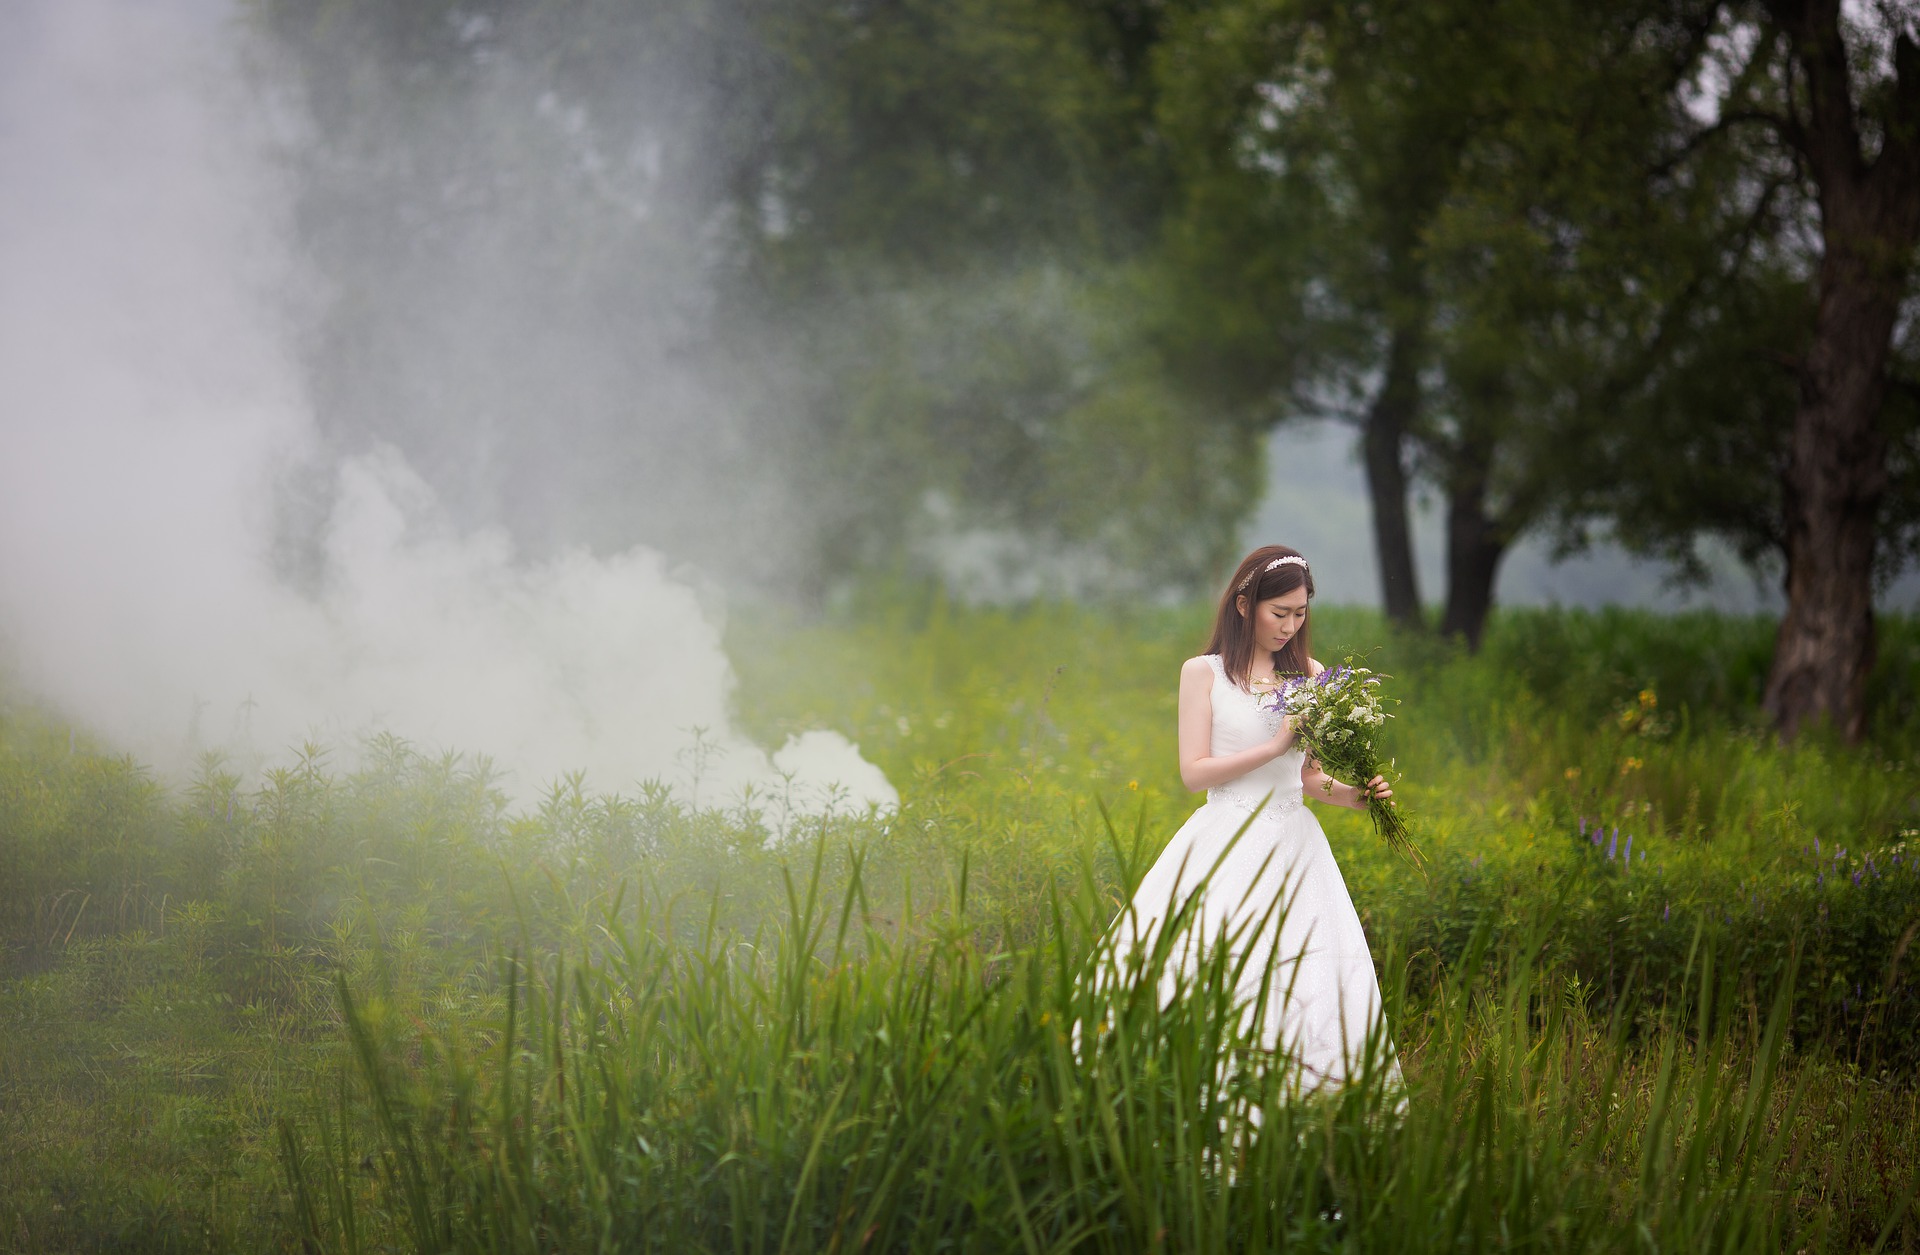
(190, 561)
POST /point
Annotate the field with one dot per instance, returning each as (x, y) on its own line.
(1652, 990)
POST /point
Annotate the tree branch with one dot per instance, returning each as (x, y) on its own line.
(1789, 131)
(1832, 135)
(1896, 172)
(1699, 34)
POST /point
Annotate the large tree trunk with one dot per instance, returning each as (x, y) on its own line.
(1835, 478)
(1475, 545)
(1836, 471)
(1384, 441)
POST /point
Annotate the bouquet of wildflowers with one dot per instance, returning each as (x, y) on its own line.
(1336, 715)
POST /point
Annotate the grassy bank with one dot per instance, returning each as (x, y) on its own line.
(374, 1008)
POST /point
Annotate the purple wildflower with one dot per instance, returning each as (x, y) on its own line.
(1856, 880)
(1666, 912)
(1816, 845)
(1630, 848)
(1615, 843)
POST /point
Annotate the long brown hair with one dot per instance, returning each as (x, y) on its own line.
(1257, 579)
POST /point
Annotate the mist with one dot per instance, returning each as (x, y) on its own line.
(192, 561)
(1315, 499)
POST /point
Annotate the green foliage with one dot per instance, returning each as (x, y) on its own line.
(1615, 718)
(837, 1084)
(800, 245)
(992, 259)
(364, 1004)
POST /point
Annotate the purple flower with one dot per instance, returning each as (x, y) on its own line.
(1614, 844)
(1821, 879)
(1630, 848)
(1816, 845)
(1666, 912)
(1856, 880)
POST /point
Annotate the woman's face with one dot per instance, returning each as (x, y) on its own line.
(1276, 619)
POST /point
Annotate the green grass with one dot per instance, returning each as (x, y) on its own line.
(377, 1010)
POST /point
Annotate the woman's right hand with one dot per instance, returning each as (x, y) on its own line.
(1283, 740)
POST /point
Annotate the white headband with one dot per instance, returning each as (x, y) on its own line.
(1292, 558)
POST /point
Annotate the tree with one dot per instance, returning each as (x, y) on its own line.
(1375, 224)
(1861, 149)
(1789, 156)
(1314, 144)
(788, 289)
(520, 215)
(960, 193)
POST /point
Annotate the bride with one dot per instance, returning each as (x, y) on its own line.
(1253, 860)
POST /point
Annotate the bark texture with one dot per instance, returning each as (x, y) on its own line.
(1476, 541)
(1384, 442)
(1836, 473)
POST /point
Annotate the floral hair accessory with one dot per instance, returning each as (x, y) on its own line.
(1293, 559)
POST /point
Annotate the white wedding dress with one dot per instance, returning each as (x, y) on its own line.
(1277, 893)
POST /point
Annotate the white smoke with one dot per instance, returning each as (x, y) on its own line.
(151, 409)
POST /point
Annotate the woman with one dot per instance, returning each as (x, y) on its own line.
(1253, 865)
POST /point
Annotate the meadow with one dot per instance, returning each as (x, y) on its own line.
(1652, 988)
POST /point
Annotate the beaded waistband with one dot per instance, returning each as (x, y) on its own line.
(1247, 799)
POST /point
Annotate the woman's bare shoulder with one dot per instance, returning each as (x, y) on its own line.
(1200, 665)
(1314, 666)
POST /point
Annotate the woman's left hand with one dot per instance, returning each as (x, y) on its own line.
(1376, 787)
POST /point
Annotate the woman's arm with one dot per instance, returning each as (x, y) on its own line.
(1199, 769)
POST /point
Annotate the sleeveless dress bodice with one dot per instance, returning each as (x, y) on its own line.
(1239, 723)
